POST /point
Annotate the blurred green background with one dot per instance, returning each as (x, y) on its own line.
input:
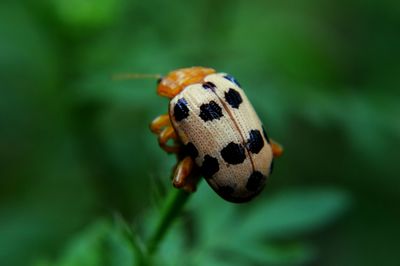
(75, 148)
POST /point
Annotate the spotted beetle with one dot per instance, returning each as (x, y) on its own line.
(216, 133)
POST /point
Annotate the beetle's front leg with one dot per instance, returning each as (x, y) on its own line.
(159, 123)
(165, 135)
(184, 176)
(161, 126)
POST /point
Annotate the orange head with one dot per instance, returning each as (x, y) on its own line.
(173, 83)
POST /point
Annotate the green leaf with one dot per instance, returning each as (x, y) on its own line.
(292, 253)
(100, 244)
(294, 212)
(87, 248)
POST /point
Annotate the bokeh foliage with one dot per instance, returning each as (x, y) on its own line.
(75, 148)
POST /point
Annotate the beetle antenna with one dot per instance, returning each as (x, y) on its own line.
(127, 76)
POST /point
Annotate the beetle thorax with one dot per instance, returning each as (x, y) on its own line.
(177, 80)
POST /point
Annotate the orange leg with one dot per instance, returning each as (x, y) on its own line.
(159, 122)
(161, 126)
(184, 177)
(277, 149)
(165, 135)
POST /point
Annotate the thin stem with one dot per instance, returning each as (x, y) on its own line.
(174, 204)
(132, 237)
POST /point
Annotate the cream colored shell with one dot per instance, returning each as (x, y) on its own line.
(211, 137)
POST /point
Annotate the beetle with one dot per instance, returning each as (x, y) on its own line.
(216, 134)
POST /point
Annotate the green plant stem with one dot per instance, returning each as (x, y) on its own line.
(173, 206)
(132, 237)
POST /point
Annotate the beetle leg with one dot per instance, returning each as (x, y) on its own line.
(159, 122)
(277, 149)
(184, 176)
(165, 135)
(161, 126)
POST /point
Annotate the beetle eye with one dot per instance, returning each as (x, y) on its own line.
(159, 80)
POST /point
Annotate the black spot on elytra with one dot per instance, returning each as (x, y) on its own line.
(233, 98)
(232, 79)
(233, 153)
(181, 111)
(255, 181)
(159, 80)
(225, 191)
(210, 166)
(191, 150)
(210, 111)
(209, 86)
(255, 142)
(265, 134)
